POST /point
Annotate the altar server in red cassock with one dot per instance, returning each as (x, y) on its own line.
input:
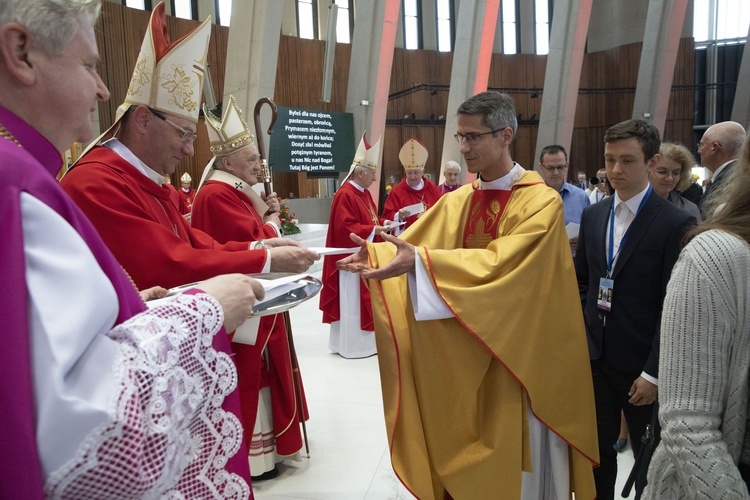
(413, 188)
(227, 208)
(345, 301)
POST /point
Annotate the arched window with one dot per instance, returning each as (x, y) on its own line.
(543, 15)
(185, 9)
(445, 25)
(138, 4)
(509, 17)
(344, 21)
(307, 19)
(223, 12)
(720, 20)
(412, 24)
(720, 29)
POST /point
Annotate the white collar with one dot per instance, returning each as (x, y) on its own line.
(505, 182)
(361, 189)
(418, 188)
(634, 202)
(126, 154)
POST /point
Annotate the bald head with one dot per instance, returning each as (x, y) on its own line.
(721, 143)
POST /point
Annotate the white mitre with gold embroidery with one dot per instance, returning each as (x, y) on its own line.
(229, 132)
(413, 155)
(168, 76)
(365, 156)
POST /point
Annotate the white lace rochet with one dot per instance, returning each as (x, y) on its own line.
(168, 436)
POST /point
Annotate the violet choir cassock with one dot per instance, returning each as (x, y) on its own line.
(489, 393)
(84, 386)
(345, 300)
(227, 208)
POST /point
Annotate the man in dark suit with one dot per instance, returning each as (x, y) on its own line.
(627, 246)
(719, 148)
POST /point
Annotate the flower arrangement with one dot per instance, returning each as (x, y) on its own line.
(288, 224)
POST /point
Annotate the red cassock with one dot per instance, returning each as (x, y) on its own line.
(355, 212)
(186, 198)
(402, 195)
(227, 214)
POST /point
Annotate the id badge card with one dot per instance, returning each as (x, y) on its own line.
(604, 300)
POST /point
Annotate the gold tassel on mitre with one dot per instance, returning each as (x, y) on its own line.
(413, 154)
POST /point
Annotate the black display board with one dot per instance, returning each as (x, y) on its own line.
(320, 143)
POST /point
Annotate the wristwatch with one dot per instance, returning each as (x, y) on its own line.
(259, 245)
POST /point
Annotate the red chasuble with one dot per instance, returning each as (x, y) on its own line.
(355, 212)
(403, 195)
(226, 214)
(186, 200)
(142, 227)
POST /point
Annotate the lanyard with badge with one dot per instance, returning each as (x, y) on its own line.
(607, 284)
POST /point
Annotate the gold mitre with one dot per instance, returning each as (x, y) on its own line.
(186, 177)
(228, 133)
(413, 154)
(365, 155)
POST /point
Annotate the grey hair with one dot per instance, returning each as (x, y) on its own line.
(452, 164)
(52, 23)
(497, 110)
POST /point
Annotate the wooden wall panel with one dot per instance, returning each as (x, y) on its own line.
(608, 82)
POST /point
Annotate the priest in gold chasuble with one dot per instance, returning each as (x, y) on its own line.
(483, 359)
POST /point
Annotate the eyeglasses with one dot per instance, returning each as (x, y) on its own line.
(663, 172)
(473, 137)
(187, 135)
(552, 168)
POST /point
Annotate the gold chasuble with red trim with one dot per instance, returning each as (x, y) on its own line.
(456, 391)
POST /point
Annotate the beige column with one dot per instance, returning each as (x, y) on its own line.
(741, 106)
(205, 8)
(472, 56)
(252, 55)
(373, 41)
(661, 42)
(570, 24)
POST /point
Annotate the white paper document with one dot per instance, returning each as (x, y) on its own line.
(334, 251)
(417, 208)
(572, 228)
(394, 225)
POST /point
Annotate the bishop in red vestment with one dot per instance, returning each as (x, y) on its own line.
(345, 300)
(414, 188)
(227, 208)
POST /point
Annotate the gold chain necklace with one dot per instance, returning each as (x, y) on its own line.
(5, 134)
